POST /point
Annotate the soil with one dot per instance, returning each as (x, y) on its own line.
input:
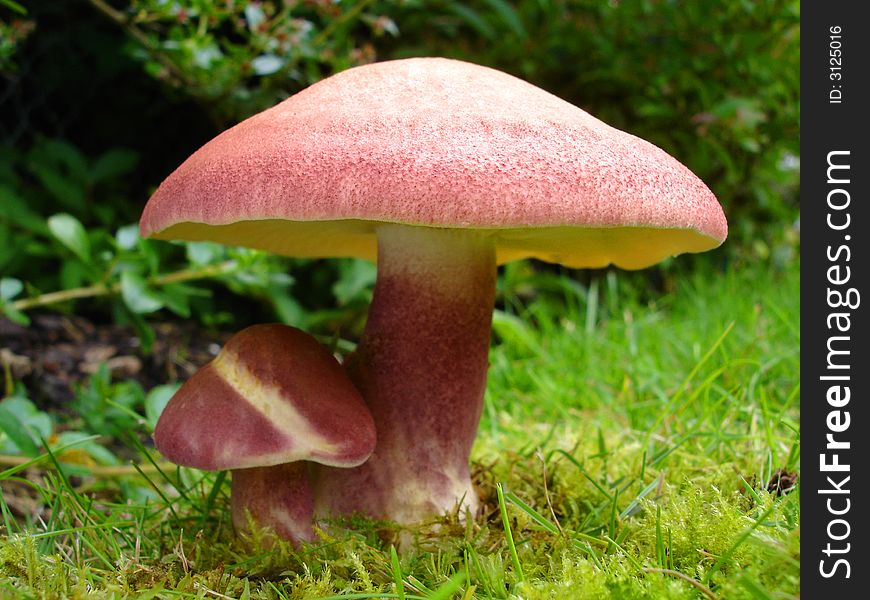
(57, 353)
(782, 482)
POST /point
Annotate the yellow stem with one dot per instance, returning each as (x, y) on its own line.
(98, 470)
(93, 291)
(697, 584)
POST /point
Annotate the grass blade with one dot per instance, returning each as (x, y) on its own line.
(397, 573)
(509, 537)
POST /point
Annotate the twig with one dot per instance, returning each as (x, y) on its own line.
(540, 455)
(98, 470)
(700, 586)
(93, 291)
(352, 13)
(208, 590)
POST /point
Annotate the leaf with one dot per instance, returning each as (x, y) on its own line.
(16, 211)
(204, 57)
(109, 408)
(65, 190)
(473, 19)
(509, 17)
(149, 253)
(156, 401)
(356, 278)
(266, 64)
(176, 297)
(10, 287)
(145, 333)
(14, 6)
(254, 15)
(113, 164)
(81, 443)
(19, 437)
(24, 424)
(137, 296)
(73, 273)
(204, 253)
(15, 315)
(62, 170)
(71, 233)
(127, 236)
(289, 311)
(122, 314)
(62, 154)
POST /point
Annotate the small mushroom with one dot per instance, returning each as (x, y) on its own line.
(271, 402)
(439, 170)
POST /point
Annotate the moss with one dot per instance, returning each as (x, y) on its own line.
(632, 463)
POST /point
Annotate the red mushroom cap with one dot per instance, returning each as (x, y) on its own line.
(439, 143)
(273, 395)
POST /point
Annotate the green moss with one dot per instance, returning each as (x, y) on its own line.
(634, 456)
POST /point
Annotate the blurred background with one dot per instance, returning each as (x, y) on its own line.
(100, 100)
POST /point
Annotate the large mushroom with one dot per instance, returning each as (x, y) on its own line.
(440, 170)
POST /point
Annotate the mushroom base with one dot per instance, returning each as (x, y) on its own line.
(421, 368)
(278, 498)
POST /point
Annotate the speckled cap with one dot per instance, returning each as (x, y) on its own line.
(437, 143)
(273, 395)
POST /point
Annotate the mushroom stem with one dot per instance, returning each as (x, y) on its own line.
(421, 368)
(278, 498)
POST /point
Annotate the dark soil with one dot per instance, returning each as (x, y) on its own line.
(782, 482)
(57, 353)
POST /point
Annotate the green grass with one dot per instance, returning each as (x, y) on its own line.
(627, 440)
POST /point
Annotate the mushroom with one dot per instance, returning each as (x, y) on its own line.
(271, 399)
(439, 170)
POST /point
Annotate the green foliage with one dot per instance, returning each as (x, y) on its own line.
(626, 445)
(49, 196)
(55, 258)
(23, 426)
(108, 408)
(9, 289)
(65, 216)
(93, 251)
(237, 58)
(27, 431)
(715, 84)
(14, 29)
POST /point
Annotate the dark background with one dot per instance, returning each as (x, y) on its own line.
(139, 86)
(826, 127)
